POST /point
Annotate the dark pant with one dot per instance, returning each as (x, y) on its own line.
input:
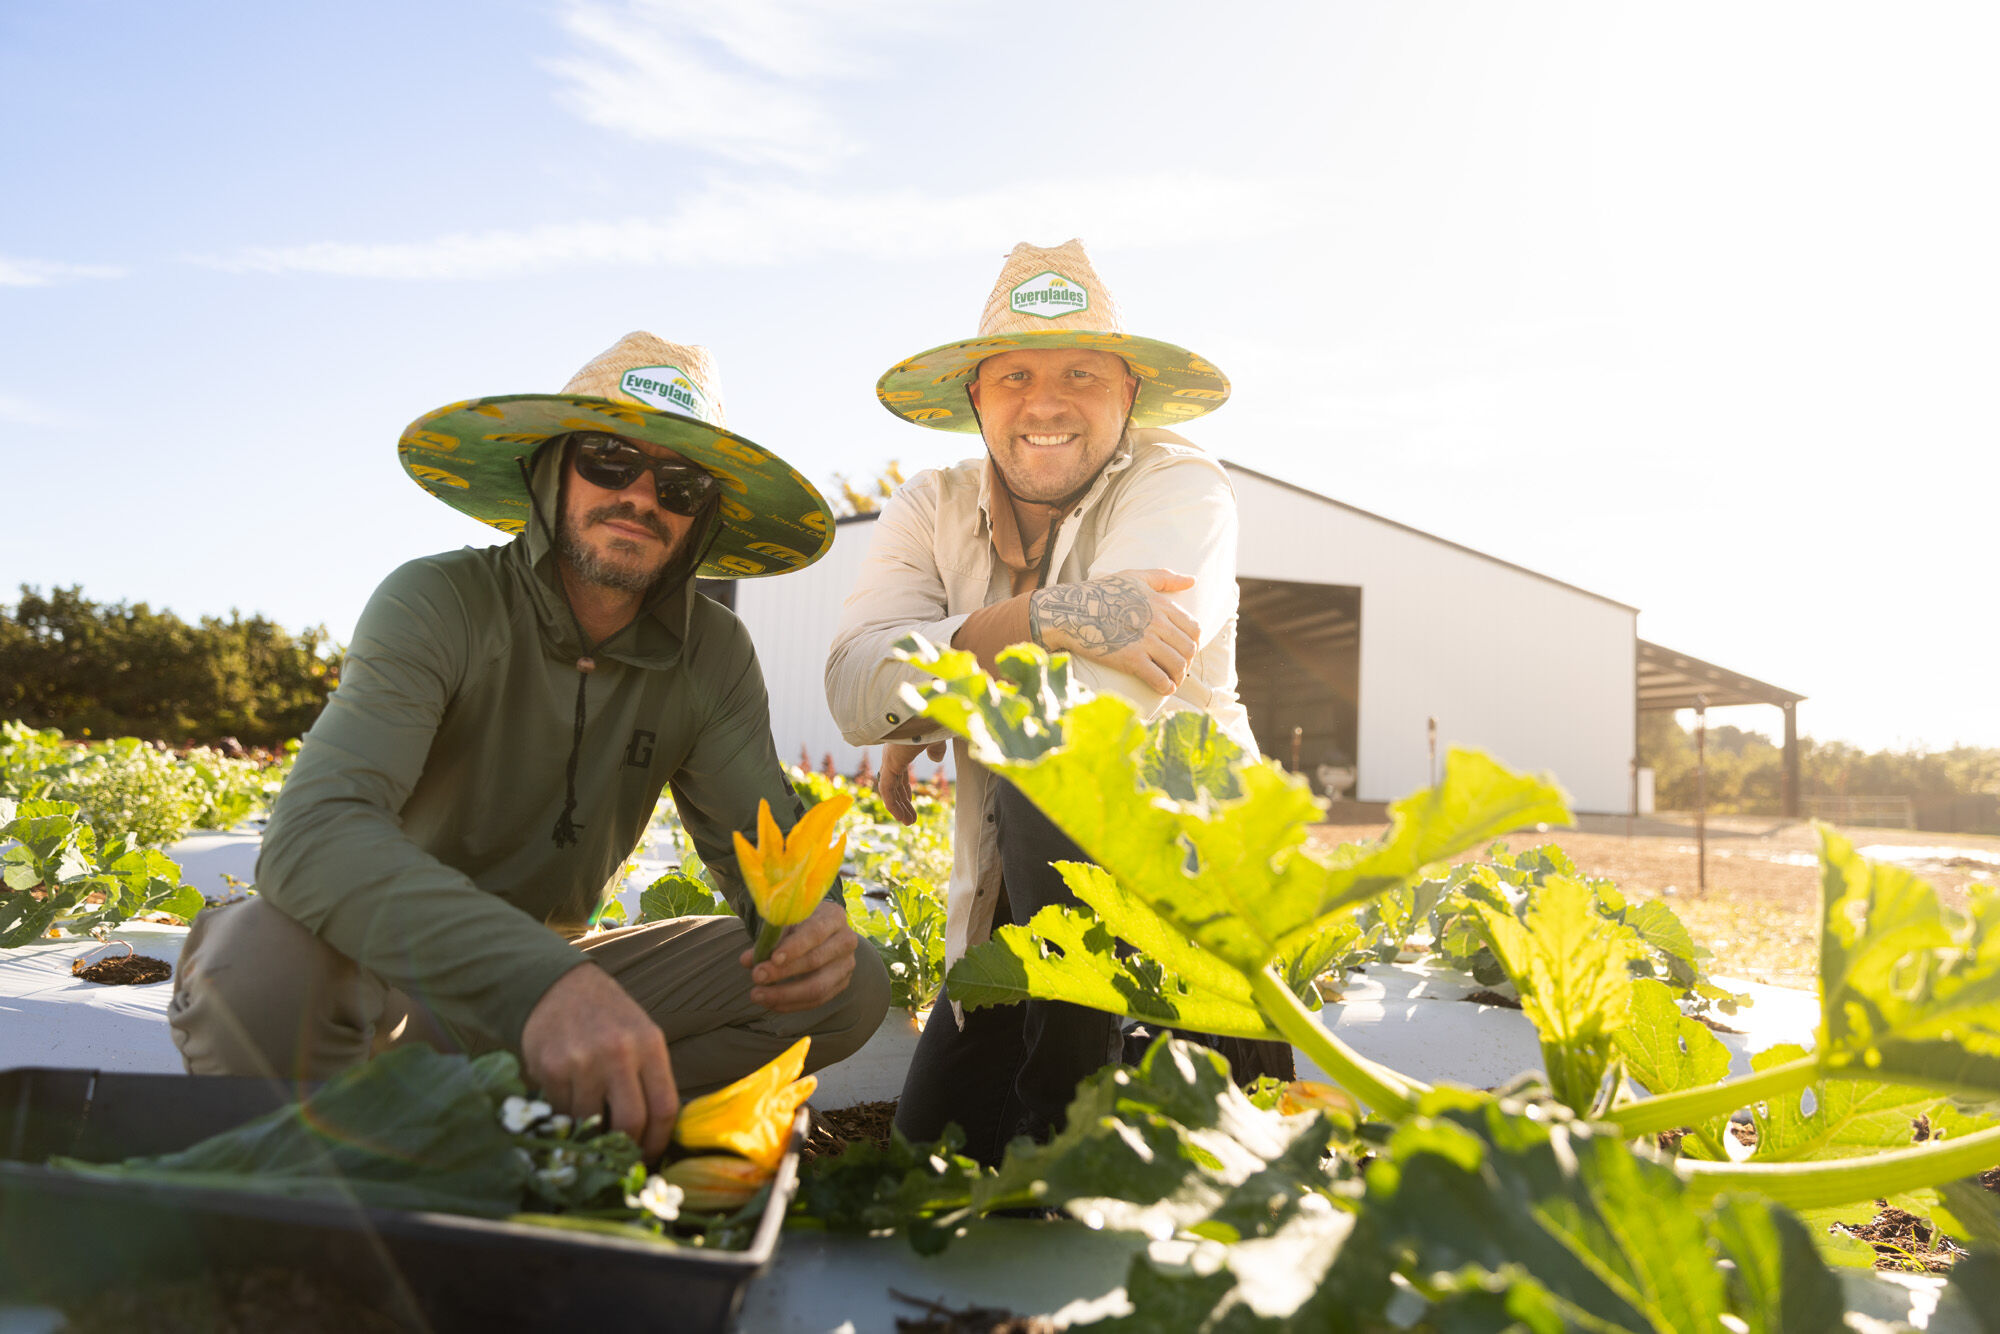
(1012, 1069)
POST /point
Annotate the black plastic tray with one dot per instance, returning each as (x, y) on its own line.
(63, 1236)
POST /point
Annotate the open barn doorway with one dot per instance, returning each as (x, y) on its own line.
(1298, 668)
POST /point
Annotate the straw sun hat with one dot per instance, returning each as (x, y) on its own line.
(467, 454)
(1050, 298)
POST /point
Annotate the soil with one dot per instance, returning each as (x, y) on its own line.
(267, 1300)
(833, 1131)
(1905, 1242)
(123, 970)
(1760, 913)
(941, 1319)
(1494, 998)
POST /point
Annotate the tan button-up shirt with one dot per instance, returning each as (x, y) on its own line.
(1161, 503)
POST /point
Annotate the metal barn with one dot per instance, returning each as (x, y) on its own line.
(1367, 648)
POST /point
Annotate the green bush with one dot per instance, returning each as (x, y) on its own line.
(122, 669)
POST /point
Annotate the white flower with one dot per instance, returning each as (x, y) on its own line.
(898, 969)
(657, 1197)
(558, 1125)
(557, 1178)
(517, 1114)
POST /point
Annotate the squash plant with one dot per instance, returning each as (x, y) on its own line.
(56, 871)
(1561, 1208)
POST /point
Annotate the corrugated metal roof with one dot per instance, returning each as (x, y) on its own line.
(1670, 680)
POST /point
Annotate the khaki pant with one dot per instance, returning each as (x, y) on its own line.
(258, 994)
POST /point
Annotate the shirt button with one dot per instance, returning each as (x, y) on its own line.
(894, 719)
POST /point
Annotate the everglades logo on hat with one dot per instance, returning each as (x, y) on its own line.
(667, 387)
(1048, 295)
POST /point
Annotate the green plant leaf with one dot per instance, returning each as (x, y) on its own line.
(1192, 759)
(677, 894)
(1012, 967)
(1311, 1273)
(1249, 885)
(1973, 1289)
(923, 1190)
(1909, 990)
(1974, 1212)
(1569, 967)
(1161, 1148)
(1611, 1238)
(1777, 1281)
(1665, 1052)
(1848, 1118)
(410, 1129)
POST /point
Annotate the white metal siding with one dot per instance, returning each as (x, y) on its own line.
(1538, 675)
(792, 618)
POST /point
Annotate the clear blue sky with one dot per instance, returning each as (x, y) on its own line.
(1691, 305)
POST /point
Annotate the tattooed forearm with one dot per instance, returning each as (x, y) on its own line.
(1099, 616)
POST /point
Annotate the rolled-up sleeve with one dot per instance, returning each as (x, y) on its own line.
(1177, 514)
(901, 589)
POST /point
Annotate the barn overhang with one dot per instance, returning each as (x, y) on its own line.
(1671, 680)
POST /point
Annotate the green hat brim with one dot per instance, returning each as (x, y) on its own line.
(468, 455)
(1175, 385)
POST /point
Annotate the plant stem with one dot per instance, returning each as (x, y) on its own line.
(1391, 1095)
(1690, 1107)
(1818, 1185)
(768, 936)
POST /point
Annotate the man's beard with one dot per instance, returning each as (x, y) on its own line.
(594, 569)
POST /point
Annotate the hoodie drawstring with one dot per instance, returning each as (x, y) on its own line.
(565, 832)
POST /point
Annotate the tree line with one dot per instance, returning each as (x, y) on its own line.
(1958, 788)
(122, 669)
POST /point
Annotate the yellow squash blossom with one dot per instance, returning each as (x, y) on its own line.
(1307, 1095)
(752, 1117)
(788, 874)
(715, 1182)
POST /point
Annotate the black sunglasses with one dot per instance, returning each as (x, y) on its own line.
(609, 462)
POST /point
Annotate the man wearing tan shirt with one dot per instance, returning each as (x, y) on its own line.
(1087, 529)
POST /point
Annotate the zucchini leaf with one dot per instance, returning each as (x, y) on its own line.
(1162, 1147)
(1314, 1270)
(1778, 1283)
(1610, 1238)
(1569, 967)
(1165, 979)
(1908, 989)
(1169, 1147)
(1231, 873)
(1973, 1290)
(410, 1129)
(1665, 1052)
(1836, 1118)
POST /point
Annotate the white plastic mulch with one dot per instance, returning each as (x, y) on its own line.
(1408, 1017)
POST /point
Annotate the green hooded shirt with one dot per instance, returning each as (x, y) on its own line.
(415, 832)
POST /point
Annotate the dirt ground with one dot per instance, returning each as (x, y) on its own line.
(1760, 912)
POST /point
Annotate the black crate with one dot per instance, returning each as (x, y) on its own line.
(64, 1236)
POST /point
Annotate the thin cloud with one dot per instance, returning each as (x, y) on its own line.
(755, 226)
(48, 272)
(728, 79)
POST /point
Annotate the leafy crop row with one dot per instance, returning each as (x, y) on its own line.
(81, 825)
(1549, 1205)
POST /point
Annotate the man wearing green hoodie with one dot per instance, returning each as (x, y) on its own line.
(506, 721)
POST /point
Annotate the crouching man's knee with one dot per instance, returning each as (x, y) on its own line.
(257, 994)
(853, 1016)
